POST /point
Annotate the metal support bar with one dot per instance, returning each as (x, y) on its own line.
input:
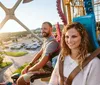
(10, 15)
(18, 21)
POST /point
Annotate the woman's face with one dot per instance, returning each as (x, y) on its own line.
(72, 38)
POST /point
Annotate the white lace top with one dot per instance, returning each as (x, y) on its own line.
(90, 75)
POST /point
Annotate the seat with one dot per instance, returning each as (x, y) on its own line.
(15, 76)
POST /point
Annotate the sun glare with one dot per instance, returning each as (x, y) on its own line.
(11, 26)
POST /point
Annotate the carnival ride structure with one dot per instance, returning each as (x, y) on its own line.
(87, 12)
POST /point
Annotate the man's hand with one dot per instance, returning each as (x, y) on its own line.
(40, 64)
(30, 69)
(25, 70)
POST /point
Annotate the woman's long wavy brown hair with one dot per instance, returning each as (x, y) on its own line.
(84, 45)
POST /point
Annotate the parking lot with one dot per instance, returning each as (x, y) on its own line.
(24, 44)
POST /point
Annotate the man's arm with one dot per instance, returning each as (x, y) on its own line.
(36, 57)
(40, 64)
(45, 56)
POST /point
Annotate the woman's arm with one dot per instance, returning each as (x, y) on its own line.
(55, 75)
(93, 77)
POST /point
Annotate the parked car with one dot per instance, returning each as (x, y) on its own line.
(28, 46)
(33, 47)
(36, 43)
(17, 46)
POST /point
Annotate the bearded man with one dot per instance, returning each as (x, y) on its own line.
(42, 58)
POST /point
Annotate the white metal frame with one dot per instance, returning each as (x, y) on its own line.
(10, 15)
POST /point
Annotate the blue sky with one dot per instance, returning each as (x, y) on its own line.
(31, 14)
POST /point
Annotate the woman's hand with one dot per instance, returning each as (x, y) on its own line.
(25, 70)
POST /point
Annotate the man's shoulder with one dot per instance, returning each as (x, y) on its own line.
(53, 42)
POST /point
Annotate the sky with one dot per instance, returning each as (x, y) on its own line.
(32, 14)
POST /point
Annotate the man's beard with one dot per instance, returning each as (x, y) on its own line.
(44, 34)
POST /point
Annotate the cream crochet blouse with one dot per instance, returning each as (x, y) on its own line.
(90, 75)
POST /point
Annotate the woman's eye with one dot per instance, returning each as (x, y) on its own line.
(74, 36)
(66, 36)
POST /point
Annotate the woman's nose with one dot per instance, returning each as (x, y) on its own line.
(69, 40)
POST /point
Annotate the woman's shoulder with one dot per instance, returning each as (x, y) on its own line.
(94, 64)
(95, 61)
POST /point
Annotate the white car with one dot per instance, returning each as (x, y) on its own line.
(34, 46)
(37, 44)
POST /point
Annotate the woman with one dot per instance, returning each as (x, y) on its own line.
(74, 50)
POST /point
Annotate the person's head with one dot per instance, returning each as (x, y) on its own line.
(74, 37)
(46, 29)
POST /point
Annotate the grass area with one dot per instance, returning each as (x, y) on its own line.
(4, 64)
(20, 68)
(1, 52)
(16, 54)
